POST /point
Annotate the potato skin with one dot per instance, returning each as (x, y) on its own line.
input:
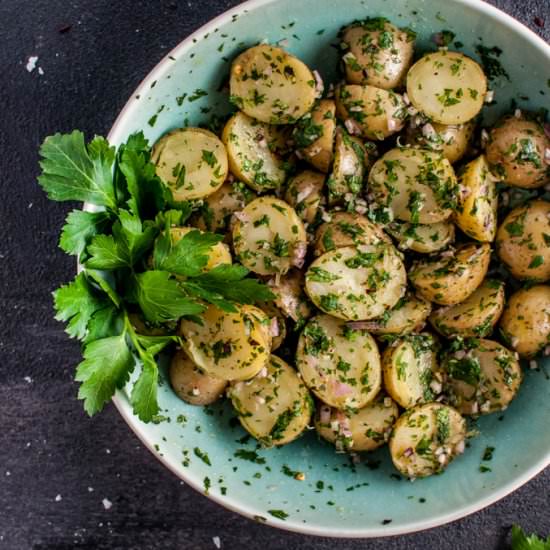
(450, 279)
(523, 241)
(516, 151)
(379, 53)
(191, 384)
(525, 322)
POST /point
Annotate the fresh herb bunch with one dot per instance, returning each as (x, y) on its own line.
(129, 265)
(520, 541)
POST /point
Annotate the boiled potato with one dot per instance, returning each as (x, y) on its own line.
(277, 324)
(426, 438)
(422, 238)
(358, 431)
(191, 161)
(476, 210)
(230, 346)
(305, 194)
(377, 113)
(347, 229)
(482, 378)
(409, 365)
(378, 53)
(475, 316)
(271, 85)
(452, 140)
(219, 254)
(351, 160)
(193, 385)
(290, 297)
(314, 135)
(341, 366)
(216, 210)
(275, 407)
(412, 185)
(518, 151)
(269, 237)
(408, 315)
(523, 241)
(525, 322)
(357, 282)
(448, 87)
(253, 157)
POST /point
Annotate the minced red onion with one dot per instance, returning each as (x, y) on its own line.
(408, 452)
(352, 127)
(547, 129)
(299, 254)
(489, 96)
(319, 85)
(324, 414)
(241, 216)
(341, 389)
(274, 327)
(304, 193)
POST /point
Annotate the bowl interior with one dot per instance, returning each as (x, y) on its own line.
(337, 498)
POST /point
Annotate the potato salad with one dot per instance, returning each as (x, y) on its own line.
(406, 245)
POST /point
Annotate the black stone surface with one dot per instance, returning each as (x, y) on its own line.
(56, 465)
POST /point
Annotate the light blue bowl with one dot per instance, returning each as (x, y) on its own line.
(336, 498)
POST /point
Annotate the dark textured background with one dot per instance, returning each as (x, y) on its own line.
(56, 465)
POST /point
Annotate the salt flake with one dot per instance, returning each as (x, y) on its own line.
(106, 503)
(31, 63)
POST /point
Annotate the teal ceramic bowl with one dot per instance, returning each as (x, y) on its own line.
(336, 498)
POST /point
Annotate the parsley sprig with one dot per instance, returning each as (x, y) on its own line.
(130, 265)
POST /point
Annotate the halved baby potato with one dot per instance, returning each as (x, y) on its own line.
(378, 53)
(274, 407)
(357, 282)
(290, 297)
(422, 238)
(523, 241)
(377, 113)
(474, 317)
(481, 378)
(252, 152)
(351, 160)
(214, 214)
(476, 210)
(219, 254)
(314, 135)
(412, 185)
(193, 385)
(341, 366)
(409, 365)
(408, 315)
(525, 322)
(229, 346)
(269, 237)
(517, 151)
(452, 276)
(347, 229)
(304, 193)
(270, 85)
(358, 431)
(448, 87)
(452, 140)
(191, 161)
(426, 438)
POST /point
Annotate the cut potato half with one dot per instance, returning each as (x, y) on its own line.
(229, 346)
(357, 283)
(271, 85)
(482, 377)
(422, 238)
(474, 317)
(426, 439)
(252, 153)
(340, 365)
(305, 194)
(476, 211)
(447, 86)
(409, 365)
(275, 406)
(269, 237)
(290, 296)
(412, 185)
(314, 135)
(191, 161)
(193, 385)
(452, 276)
(358, 431)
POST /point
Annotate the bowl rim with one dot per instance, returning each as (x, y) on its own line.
(122, 405)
